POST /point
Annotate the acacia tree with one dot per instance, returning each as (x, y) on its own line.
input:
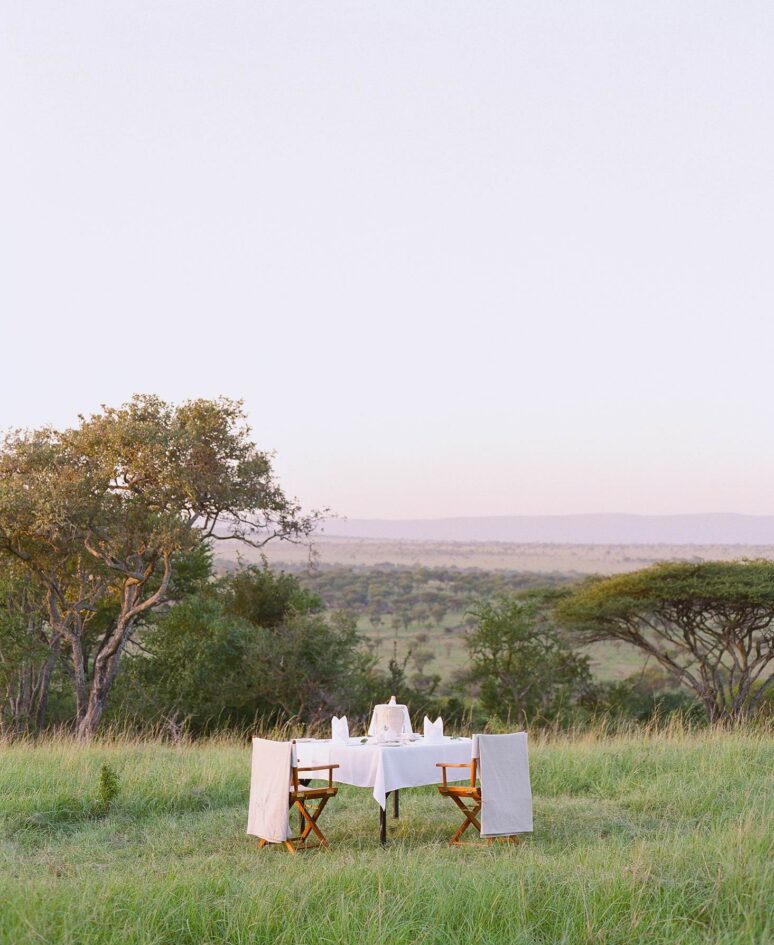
(100, 513)
(709, 625)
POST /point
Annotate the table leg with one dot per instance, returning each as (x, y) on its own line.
(301, 821)
(396, 804)
(383, 822)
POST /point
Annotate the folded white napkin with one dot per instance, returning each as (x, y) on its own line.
(433, 730)
(339, 730)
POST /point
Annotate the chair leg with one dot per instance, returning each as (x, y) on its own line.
(311, 825)
(470, 818)
(262, 843)
(312, 819)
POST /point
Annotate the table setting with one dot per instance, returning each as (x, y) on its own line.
(390, 757)
(387, 758)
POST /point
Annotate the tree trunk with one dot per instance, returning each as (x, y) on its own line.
(79, 678)
(19, 700)
(44, 684)
(87, 724)
(105, 670)
(27, 695)
(112, 646)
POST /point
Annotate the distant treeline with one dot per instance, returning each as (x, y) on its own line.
(419, 595)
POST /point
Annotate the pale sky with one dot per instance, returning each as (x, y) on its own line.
(458, 258)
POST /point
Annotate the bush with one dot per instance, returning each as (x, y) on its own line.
(643, 696)
(107, 790)
(252, 645)
(523, 667)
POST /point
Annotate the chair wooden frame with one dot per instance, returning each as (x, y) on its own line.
(299, 795)
(462, 793)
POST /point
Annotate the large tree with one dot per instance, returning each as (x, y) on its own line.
(709, 625)
(100, 513)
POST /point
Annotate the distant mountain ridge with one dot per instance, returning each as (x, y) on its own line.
(593, 529)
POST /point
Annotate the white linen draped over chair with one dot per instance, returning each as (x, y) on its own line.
(275, 787)
(506, 794)
(268, 816)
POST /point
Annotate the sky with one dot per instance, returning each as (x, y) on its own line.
(458, 258)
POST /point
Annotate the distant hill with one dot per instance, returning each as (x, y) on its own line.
(711, 529)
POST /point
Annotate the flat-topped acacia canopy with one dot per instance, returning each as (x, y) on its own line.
(710, 624)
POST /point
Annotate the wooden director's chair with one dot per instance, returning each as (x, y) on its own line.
(300, 795)
(511, 750)
(463, 794)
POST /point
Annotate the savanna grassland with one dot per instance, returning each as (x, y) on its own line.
(405, 630)
(540, 557)
(420, 615)
(659, 838)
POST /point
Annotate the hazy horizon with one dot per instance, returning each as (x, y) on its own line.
(579, 529)
(458, 259)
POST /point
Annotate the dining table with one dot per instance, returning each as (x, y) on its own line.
(387, 767)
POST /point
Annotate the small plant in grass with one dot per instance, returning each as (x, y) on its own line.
(107, 790)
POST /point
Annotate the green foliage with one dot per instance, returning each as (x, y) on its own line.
(710, 625)
(108, 789)
(251, 645)
(264, 598)
(27, 658)
(103, 513)
(194, 662)
(522, 665)
(644, 696)
(419, 595)
(20, 618)
(405, 613)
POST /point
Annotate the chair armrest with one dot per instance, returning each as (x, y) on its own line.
(328, 768)
(443, 765)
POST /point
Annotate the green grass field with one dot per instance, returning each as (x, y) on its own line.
(641, 838)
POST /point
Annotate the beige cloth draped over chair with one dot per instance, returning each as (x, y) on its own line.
(504, 795)
(275, 788)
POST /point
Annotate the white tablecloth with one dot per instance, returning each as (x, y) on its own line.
(387, 768)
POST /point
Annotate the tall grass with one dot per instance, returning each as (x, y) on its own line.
(660, 836)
